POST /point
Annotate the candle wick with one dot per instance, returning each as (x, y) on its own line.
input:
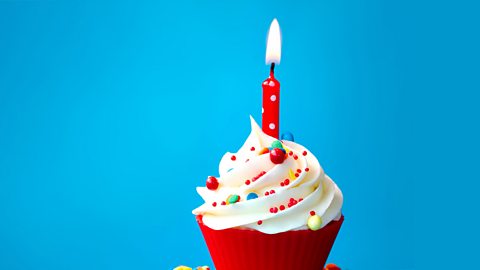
(272, 69)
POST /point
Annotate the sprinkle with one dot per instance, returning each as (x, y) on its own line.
(252, 196)
(301, 199)
(264, 151)
(233, 199)
(297, 175)
(233, 158)
(299, 171)
(223, 203)
(271, 210)
(214, 204)
(286, 182)
(282, 207)
(290, 153)
(304, 153)
(247, 182)
(259, 222)
(275, 210)
(282, 184)
(266, 193)
(307, 169)
(252, 148)
(295, 157)
(272, 191)
(312, 213)
(314, 223)
(291, 174)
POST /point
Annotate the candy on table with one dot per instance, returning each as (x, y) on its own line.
(331, 266)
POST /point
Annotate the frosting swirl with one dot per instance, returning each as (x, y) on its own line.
(287, 194)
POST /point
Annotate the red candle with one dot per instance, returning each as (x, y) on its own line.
(271, 87)
(271, 104)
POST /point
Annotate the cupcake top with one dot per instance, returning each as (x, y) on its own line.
(271, 186)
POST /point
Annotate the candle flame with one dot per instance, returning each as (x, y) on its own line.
(274, 44)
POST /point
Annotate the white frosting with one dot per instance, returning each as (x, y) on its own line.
(318, 192)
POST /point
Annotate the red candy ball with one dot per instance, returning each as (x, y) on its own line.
(212, 183)
(277, 156)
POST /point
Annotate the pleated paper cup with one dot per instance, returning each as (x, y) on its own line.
(246, 249)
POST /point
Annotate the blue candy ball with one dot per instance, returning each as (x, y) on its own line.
(252, 196)
(288, 136)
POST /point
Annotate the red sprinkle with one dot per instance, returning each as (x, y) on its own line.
(224, 203)
(233, 158)
(295, 157)
(297, 175)
(287, 181)
(259, 222)
(271, 210)
(282, 207)
(307, 169)
(275, 210)
(290, 153)
(312, 213)
(299, 170)
(301, 199)
(266, 193)
(214, 204)
(247, 182)
(304, 153)
(282, 184)
(272, 191)
(252, 149)
(290, 204)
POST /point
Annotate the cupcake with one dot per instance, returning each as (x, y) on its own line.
(271, 207)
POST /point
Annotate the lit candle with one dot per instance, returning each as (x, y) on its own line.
(271, 87)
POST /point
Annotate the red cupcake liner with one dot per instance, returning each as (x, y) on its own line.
(245, 249)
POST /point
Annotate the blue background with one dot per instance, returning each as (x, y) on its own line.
(111, 113)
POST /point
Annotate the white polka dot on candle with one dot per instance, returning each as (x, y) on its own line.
(273, 98)
(271, 126)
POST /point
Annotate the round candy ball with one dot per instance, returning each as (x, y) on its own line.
(288, 136)
(212, 183)
(252, 196)
(314, 222)
(277, 144)
(277, 156)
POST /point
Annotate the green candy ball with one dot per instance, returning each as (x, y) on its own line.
(277, 144)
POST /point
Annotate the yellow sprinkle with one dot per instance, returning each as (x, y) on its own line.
(203, 268)
(291, 174)
(182, 268)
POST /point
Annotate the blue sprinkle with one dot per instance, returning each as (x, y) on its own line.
(229, 169)
(288, 136)
(252, 196)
